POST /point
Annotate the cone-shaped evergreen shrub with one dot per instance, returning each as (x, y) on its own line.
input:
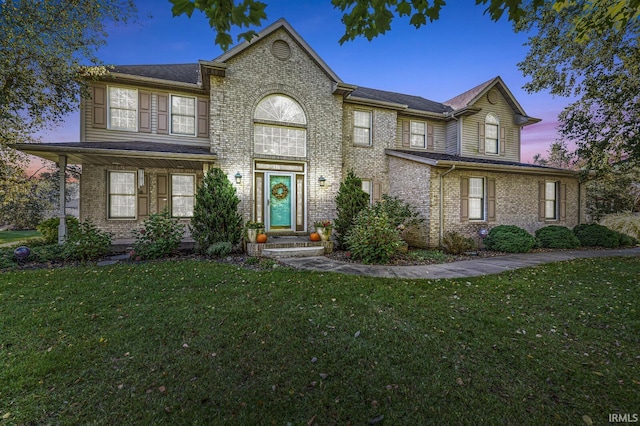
(351, 199)
(215, 215)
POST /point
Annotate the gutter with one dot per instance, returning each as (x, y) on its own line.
(441, 215)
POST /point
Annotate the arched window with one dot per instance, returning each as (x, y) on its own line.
(491, 124)
(280, 127)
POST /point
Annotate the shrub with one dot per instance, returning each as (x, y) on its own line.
(373, 238)
(400, 213)
(509, 239)
(215, 214)
(220, 249)
(350, 201)
(626, 240)
(86, 243)
(49, 228)
(159, 237)
(627, 223)
(455, 243)
(594, 235)
(558, 237)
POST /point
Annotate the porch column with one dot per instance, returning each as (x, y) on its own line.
(62, 228)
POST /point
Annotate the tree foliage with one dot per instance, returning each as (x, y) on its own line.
(350, 200)
(592, 54)
(215, 215)
(47, 49)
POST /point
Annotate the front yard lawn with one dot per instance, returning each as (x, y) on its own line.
(201, 342)
(15, 236)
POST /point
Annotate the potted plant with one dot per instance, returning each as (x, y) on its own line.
(252, 231)
(324, 228)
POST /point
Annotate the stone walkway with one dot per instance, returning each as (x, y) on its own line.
(460, 269)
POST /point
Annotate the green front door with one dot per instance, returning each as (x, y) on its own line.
(280, 196)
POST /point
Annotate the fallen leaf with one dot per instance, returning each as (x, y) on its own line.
(185, 345)
(357, 334)
(6, 416)
(587, 420)
(459, 381)
(323, 375)
(376, 420)
(314, 360)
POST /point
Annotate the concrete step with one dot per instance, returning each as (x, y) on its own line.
(293, 252)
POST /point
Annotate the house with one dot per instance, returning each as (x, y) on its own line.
(286, 129)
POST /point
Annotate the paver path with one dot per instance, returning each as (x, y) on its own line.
(460, 269)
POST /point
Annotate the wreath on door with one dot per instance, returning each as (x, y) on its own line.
(280, 191)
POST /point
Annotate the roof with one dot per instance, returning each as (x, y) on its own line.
(183, 73)
(129, 153)
(411, 101)
(438, 159)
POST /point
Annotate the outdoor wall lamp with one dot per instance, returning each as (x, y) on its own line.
(321, 180)
(238, 178)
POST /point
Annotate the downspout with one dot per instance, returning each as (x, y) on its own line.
(441, 221)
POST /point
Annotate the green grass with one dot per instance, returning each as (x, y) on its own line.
(16, 236)
(199, 342)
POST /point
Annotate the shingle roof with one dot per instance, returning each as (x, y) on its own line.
(447, 157)
(413, 102)
(137, 146)
(463, 99)
(183, 73)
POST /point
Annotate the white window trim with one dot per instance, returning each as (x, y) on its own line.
(171, 196)
(135, 195)
(195, 116)
(424, 135)
(370, 128)
(483, 199)
(282, 125)
(556, 201)
(122, 129)
(497, 153)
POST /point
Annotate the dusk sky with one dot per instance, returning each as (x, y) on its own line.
(439, 61)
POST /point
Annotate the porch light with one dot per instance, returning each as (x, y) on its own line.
(238, 178)
(321, 180)
(140, 177)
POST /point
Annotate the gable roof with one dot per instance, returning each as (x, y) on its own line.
(280, 24)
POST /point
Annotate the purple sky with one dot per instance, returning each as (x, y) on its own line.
(439, 61)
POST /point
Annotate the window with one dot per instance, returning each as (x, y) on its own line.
(491, 124)
(418, 133)
(550, 200)
(182, 195)
(183, 115)
(367, 186)
(362, 127)
(122, 195)
(123, 109)
(280, 127)
(476, 198)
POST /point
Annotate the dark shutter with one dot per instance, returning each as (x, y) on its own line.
(143, 198)
(144, 112)
(203, 118)
(162, 192)
(563, 201)
(429, 136)
(481, 137)
(99, 109)
(377, 191)
(464, 199)
(406, 133)
(491, 200)
(163, 114)
(541, 200)
(503, 139)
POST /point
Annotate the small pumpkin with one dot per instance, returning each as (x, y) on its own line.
(261, 238)
(314, 236)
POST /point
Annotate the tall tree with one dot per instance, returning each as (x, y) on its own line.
(578, 51)
(47, 51)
